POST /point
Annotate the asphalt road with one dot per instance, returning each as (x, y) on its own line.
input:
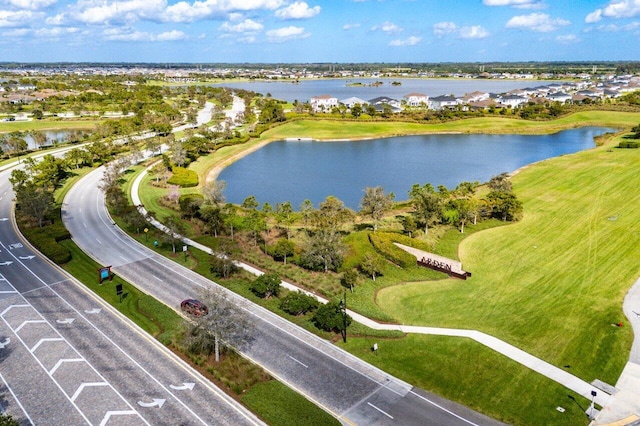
(67, 358)
(354, 391)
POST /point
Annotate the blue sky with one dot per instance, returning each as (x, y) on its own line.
(343, 31)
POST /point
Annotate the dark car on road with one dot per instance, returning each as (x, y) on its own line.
(194, 307)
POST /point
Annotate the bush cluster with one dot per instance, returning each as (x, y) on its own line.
(629, 144)
(383, 243)
(46, 240)
(184, 178)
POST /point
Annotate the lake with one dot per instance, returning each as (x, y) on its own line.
(343, 88)
(296, 170)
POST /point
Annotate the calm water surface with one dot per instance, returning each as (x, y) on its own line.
(343, 88)
(294, 171)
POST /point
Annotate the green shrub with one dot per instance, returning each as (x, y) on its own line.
(629, 144)
(383, 243)
(298, 303)
(184, 178)
(46, 241)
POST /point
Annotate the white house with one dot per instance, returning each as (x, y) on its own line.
(323, 102)
(440, 102)
(352, 101)
(559, 97)
(512, 100)
(416, 99)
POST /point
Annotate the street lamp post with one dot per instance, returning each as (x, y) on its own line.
(343, 308)
(592, 406)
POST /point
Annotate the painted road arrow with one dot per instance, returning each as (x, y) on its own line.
(5, 343)
(8, 262)
(156, 403)
(66, 321)
(93, 311)
(26, 257)
(4, 219)
(184, 386)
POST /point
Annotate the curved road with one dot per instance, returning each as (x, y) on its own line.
(354, 391)
(67, 358)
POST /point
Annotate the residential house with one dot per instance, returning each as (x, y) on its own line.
(514, 101)
(352, 101)
(379, 103)
(323, 103)
(416, 99)
(559, 97)
(441, 102)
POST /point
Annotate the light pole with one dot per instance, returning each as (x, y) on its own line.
(343, 308)
(592, 407)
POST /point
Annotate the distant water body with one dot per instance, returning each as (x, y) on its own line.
(345, 88)
(294, 171)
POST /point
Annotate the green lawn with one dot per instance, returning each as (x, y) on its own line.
(23, 126)
(467, 372)
(552, 284)
(325, 129)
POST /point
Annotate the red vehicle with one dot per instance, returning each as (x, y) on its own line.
(194, 307)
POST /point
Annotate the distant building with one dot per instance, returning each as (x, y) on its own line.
(353, 101)
(514, 101)
(323, 103)
(416, 99)
(379, 103)
(441, 102)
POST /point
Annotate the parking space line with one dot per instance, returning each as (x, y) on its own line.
(18, 328)
(78, 391)
(16, 399)
(62, 361)
(383, 412)
(46, 339)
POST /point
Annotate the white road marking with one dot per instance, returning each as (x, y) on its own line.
(184, 386)
(107, 416)
(18, 328)
(17, 400)
(48, 339)
(78, 391)
(5, 343)
(444, 409)
(99, 242)
(66, 321)
(62, 361)
(386, 414)
(305, 366)
(155, 403)
(92, 311)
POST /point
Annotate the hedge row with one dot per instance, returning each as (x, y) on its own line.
(46, 240)
(383, 243)
(184, 178)
(629, 144)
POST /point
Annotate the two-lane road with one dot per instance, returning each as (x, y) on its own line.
(356, 392)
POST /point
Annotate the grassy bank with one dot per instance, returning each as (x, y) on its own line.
(552, 284)
(24, 126)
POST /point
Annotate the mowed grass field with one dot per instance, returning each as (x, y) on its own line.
(553, 283)
(323, 129)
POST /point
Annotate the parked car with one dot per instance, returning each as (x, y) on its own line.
(194, 307)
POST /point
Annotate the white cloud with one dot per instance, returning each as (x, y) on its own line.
(474, 32)
(18, 32)
(411, 41)
(125, 34)
(350, 26)
(567, 39)
(387, 27)
(31, 4)
(594, 16)
(287, 33)
(520, 4)
(622, 9)
(120, 11)
(613, 28)
(199, 10)
(297, 10)
(443, 28)
(10, 19)
(540, 22)
(172, 35)
(246, 26)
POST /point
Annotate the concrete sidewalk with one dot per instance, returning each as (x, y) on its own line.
(624, 405)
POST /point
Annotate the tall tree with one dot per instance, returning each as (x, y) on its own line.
(376, 204)
(427, 204)
(225, 325)
(332, 214)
